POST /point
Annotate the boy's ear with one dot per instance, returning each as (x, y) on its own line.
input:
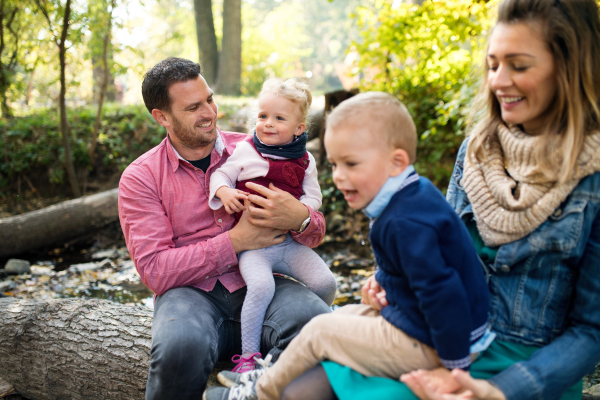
(400, 160)
(161, 117)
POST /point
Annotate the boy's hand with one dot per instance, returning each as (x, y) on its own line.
(232, 199)
(373, 294)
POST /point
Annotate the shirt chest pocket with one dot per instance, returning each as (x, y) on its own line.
(562, 230)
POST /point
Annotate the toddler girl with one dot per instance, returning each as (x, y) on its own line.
(276, 153)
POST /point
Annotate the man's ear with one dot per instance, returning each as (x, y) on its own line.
(301, 128)
(400, 160)
(161, 117)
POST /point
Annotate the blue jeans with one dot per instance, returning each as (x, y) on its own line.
(192, 329)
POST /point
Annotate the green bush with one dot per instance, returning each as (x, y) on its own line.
(426, 55)
(31, 145)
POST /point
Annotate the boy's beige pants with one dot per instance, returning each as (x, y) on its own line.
(356, 336)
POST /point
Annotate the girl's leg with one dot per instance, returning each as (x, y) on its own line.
(369, 345)
(313, 384)
(302, 263)
(256, 271)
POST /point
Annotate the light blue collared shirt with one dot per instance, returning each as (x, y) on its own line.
(390, 188)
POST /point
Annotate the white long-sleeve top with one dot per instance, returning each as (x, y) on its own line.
(246, 163)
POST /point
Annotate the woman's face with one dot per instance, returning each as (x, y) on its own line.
(521, 74)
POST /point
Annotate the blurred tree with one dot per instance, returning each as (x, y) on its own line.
(207, 40)
(54, 12)
(230, 59)
(100, 16)
(103, 18)
(17, 39)
(425, 55)
(221, 69)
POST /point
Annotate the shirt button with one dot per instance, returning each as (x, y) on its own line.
(505, 268)
(557, 212)
(208, 277)
(219, 220)
(229, 266)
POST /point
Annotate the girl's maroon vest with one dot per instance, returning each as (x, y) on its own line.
(286, 175)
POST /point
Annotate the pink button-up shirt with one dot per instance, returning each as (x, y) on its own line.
(172, 235)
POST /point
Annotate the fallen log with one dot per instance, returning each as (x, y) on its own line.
(77, 349)
(57, 223)
(74, 349)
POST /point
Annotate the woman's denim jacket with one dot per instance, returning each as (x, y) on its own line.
(545, 291)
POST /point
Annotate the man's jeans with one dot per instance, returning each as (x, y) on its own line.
(192, 329)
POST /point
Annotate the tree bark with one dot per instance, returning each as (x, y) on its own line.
(75, 349)
(207, 40)
(57, 223)
(230, 61)
(64, 124)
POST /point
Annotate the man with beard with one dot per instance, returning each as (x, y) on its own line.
(187, 253)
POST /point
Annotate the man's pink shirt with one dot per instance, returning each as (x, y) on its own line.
(172, 235)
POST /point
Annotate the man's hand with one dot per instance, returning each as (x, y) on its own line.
(441, 384)
(233, 199)
(247, 236)
(279, 209)
(373, 294)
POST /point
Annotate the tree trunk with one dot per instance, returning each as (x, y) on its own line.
(230, 61)
(75, 349)
(57, 223)
(207, 40)
(64, 124)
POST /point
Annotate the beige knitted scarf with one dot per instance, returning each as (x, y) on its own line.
(510, 194)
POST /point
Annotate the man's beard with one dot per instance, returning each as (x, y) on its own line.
(191, 139)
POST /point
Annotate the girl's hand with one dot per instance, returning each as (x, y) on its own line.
(440, 384)
(373, 294)
(233, 199)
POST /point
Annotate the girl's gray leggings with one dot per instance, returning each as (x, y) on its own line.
(257, 267)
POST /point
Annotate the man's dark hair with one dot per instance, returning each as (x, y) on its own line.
(158, 80)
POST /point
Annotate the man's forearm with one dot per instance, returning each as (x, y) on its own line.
(185, 266)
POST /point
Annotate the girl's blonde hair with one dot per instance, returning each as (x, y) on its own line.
(292, 89)
(571, 30)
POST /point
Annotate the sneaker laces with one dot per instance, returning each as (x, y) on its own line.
(245, 391)
(244, 364)
(253, 375)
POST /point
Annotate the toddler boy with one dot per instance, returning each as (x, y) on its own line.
(432, 281)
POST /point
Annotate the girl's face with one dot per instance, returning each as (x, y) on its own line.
(278, 120)
(521, 74)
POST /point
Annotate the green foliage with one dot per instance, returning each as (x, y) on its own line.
(425, 55)
(31, 145)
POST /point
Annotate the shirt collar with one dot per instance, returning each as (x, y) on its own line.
(390, 188)
(174, 156)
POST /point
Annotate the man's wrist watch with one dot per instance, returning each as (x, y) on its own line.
(305, 223)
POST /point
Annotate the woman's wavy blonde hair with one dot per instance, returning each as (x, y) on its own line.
(571, 29)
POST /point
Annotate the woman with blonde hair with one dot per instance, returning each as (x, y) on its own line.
(526, 184)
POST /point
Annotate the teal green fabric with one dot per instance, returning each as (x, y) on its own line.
(487, 254)
(350, 385)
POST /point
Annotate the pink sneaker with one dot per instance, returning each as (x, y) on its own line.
(245, 362)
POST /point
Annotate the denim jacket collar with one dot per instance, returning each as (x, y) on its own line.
(389, 188)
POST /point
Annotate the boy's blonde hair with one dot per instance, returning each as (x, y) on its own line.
(292, 89)
(384, 113)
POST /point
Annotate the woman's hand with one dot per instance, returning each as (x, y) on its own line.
(441, 384)
(373, 294)
(279, 209)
